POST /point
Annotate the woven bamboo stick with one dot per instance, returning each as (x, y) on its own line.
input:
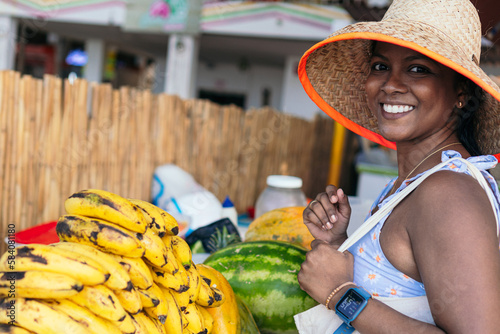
(49, 148)
(12, 147)
(114, 173)
(17, 156)
(173, 127)
(53, 155)
(212, 140)
(27, 100)
(134, 142)
(33, 213)
(4, 113)
(146, 170)
(236, 182)
(123, 141)
(65, 159)
(94, 137)
(105, 131)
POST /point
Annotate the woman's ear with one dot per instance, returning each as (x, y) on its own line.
(461, 98)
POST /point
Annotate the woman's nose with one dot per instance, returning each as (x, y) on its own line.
(394, 84)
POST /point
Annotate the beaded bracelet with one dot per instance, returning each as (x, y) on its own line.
(334, 292)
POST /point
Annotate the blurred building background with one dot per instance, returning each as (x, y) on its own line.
(240, 52)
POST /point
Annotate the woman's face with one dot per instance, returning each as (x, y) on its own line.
(411, 95)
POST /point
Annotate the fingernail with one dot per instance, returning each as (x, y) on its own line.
(329, 226)
(333, 199)
(340, 193)
(323, 227)
(334, 218)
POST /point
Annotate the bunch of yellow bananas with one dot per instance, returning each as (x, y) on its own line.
(120, 268)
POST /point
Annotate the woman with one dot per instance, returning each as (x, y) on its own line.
(412, 82)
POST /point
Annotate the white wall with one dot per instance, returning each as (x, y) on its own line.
(8, 34)
(229, 78)
(295, 100)
(287, 93)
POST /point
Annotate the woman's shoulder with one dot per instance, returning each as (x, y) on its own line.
(444, 181)
(454, 179)
(448, 197)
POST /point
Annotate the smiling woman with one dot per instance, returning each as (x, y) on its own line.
(411, 82)
(412, 96)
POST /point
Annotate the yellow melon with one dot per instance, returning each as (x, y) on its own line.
(284, 224)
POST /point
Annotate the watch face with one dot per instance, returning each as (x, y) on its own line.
(350, 303)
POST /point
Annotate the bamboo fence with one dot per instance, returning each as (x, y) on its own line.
(58, 137)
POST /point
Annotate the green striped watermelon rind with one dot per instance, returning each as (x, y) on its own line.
(269, 266)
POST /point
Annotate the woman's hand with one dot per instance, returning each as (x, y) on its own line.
(324, 269)
(327, 217)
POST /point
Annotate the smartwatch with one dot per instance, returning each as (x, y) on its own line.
(351, 304)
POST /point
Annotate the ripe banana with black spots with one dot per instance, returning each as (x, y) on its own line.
(102, 301)
(126, 325)
(147, 298)
(209, 296)
(106, 206)
(195, 320)
(130, 300)
(162, 223)
(148, 324)
(181, 298)
(174, 323)
(180, 248)
(38, 284)
(119, 279)
(156, 251)
(11, 329)
(103, 235)
(190, 295)
(178, 281)
(45, 258)
(140, 326)
(194, 283)
(38, 317)
(138, 270)
(153, 214)
(158, 325)
(161, 310)
(208, 320)
(93, 323)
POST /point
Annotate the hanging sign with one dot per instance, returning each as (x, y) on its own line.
(163, 16)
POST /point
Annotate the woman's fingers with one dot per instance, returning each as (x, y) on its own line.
(320, 211)
(340, 201)
(344, 207)
(327, 216)
(331, 190)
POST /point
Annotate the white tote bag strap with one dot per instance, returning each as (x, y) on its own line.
(374, 219)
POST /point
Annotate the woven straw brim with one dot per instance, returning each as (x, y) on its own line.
(334, 71)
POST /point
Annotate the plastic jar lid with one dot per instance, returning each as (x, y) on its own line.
(284, 181)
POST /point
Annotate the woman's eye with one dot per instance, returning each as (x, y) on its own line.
(379, 67)
(419, 69)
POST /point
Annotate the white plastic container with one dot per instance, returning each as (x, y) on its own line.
(281, 191)
(229, 211)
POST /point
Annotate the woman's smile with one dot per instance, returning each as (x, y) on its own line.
(412, 95)
(396, 108)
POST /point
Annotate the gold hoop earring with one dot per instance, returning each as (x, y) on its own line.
(460, 104)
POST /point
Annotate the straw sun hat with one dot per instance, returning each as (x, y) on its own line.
(334, 71)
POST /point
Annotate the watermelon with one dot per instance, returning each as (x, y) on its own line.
(264, 274)
(247, 323)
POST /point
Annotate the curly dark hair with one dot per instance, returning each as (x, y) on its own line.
(466, 116)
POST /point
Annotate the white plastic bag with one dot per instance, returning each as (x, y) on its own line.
(319, 319)
(176, 191)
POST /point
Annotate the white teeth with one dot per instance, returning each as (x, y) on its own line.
(395, 109)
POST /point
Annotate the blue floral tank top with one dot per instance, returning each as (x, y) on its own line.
(372, 270)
